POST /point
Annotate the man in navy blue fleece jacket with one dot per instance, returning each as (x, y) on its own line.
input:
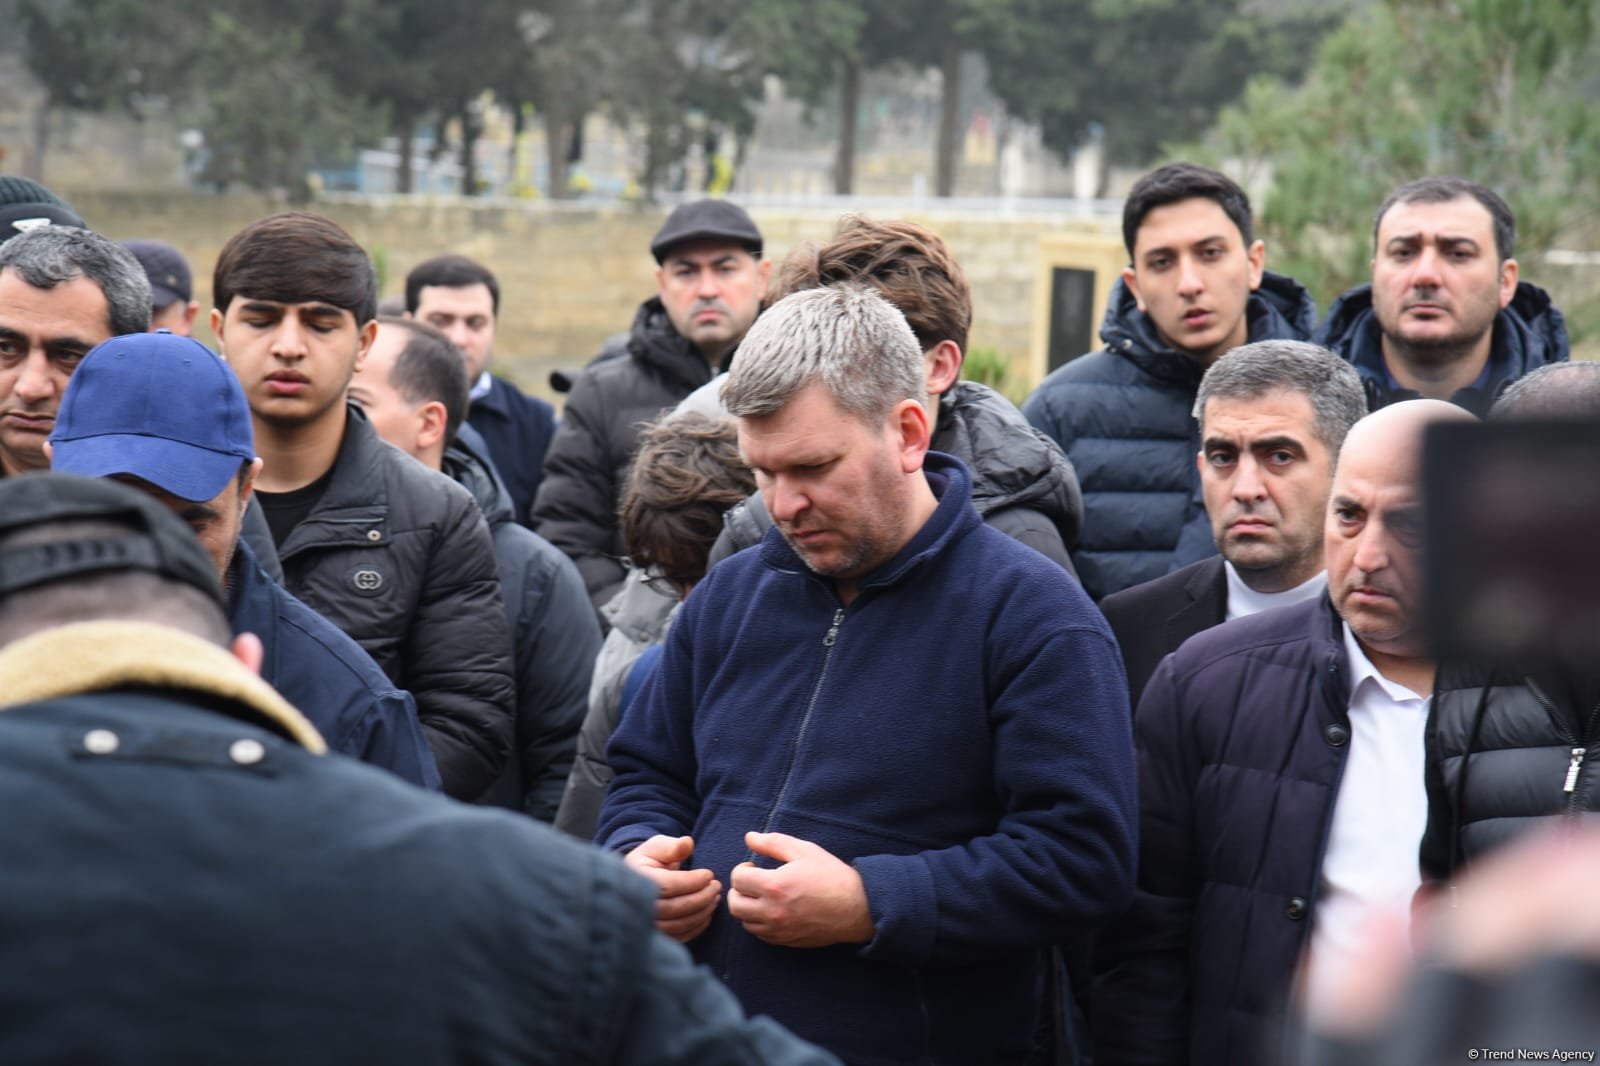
(898, 737)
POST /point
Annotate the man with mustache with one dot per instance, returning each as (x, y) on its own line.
(1281, 796)
(1272, 416)
(1446, 316)
(63, 290)
(710, 279)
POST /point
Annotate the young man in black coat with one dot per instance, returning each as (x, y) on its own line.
(1196, 286)
(397, 556)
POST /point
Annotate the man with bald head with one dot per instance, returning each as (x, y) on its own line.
(1280, 782)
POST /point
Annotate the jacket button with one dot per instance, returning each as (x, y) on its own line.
(100, 742)
(247, 751)
(1296, 909)
(1337, 735)
(374, 535)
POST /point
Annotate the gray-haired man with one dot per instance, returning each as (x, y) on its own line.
(898, 736)
(63, 290)
(1272, 416)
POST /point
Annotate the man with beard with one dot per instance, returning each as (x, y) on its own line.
(1446, 316)
(1021, 483)
(63, 290)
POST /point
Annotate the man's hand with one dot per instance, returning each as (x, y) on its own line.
(811, 901)
(688, 897)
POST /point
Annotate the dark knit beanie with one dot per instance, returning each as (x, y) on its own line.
(25, 204)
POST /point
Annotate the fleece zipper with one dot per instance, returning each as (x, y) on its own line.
(829, 640)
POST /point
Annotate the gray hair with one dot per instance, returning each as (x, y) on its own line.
(847, 338)
(47, 256)
(1330, 384)
(1556, 390)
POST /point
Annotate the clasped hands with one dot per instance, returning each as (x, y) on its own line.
(811, 901)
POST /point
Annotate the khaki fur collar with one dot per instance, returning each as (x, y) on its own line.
(84, 657)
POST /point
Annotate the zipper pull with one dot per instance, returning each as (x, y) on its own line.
(833, 630)
(1572, 770)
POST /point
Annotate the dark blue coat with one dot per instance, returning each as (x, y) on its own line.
(1242, 735)
(1122, 415)
(181, 903)
(327, 676)
(958, 733)
(517, 428)
(1528, 333)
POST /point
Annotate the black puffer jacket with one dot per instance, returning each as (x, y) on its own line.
(398, 556)
(1528, 333)
(554, 641)
(576, 509)
(1122, 416)
(1504, 755)
(1021, 483)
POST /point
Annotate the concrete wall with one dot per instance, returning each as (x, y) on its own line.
(570, 276)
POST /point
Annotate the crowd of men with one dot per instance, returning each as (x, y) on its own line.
(932, 730)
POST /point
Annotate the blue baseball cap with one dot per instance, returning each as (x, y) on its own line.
(160, 407)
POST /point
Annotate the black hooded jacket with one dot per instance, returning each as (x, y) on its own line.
(576, 509)
(1505, 754)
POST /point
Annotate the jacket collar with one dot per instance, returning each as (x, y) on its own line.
(1280, 308)
(654, 342)
(494, 399)
(953, 518)
(1529, 332)
(1011, 463)
(473, 471)
(249, 590)
(52, 665)
(356, 504)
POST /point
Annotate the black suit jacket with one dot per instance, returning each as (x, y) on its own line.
(1152, 619)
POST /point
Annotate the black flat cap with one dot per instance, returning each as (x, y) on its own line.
(706, 220)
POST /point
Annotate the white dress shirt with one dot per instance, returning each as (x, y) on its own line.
(1378, 817)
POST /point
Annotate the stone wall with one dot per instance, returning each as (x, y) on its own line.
(572, 275)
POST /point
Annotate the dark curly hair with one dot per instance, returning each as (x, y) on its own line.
(686, 473)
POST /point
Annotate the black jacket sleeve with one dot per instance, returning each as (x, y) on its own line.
(457, 656)
(576, 509)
